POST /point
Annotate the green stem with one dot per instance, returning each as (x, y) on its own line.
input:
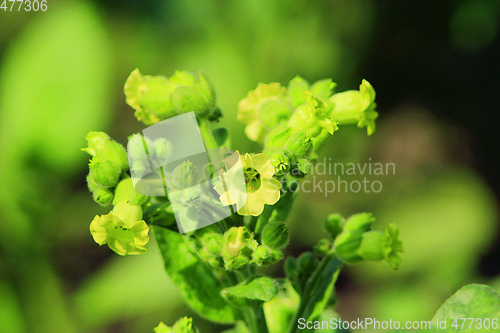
(322, 279)
(206, 134)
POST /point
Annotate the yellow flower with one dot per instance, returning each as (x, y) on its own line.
(248, 183)
(121, 229)
(262, 109)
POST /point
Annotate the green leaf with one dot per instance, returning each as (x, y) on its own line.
(195, 278)
(472, 301)
(257, 287)
(317, 291)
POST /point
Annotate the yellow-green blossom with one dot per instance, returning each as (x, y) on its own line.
(255, 190)
(262, 109)
(122, 229)
(351, 107)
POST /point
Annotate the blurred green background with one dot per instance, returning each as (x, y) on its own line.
(433, 64)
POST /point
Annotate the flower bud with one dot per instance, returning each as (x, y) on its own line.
(238, 246)
(307, 262)
(103, 196)
(155, 97)
(194, 94)
(138, 147)
(360, 221)
(186, 100)
(262, 255)
(276, 235)
(323, 89)
(96, 142)
(323, 247)
(334, 224)
(311, 117)
(300, 145)
(355, 107)
(279, 160)
(213, 244)
(185, 175)
(296, 89)
(100, 194)
(278, 136)
(125, 192)
(300, 169)
(137, 169)
(104, 173)
(162, 151)
(346, 246)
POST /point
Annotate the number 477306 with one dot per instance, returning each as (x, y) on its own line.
(27, 5)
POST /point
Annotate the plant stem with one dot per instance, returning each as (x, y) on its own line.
(325, 274)
(206, 134)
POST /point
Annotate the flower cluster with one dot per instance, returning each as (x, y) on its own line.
(214, 264)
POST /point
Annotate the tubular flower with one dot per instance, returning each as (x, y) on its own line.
(355, 107)
(122, 229)
(251, 192)
(262, 109)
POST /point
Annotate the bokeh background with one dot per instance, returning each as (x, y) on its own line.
(434, 65)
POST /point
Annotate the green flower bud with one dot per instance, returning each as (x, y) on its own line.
(334, 224)
(356, 245)
(137, 169)
(300, 145)
(296, 89)
(351, 107)
(138, 147)
(125, 192)
(185, 175)
(307, 262)
(273, 112)
(346, 246)
(100, 194)
(113, 151)
(96, 142)
(311, 117)
(300, 169)
(372, 246)
(279, 160)
(323, 89)
(238, 246)
(278, 136)
(276, 256)
(323, 247)
(162, 151)
(276, 235)
(360, 221)
(213, 244)
(155, 97)
(103, 196)
(104, 173)
(194, 94)
(186, 100)
(262, 255)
